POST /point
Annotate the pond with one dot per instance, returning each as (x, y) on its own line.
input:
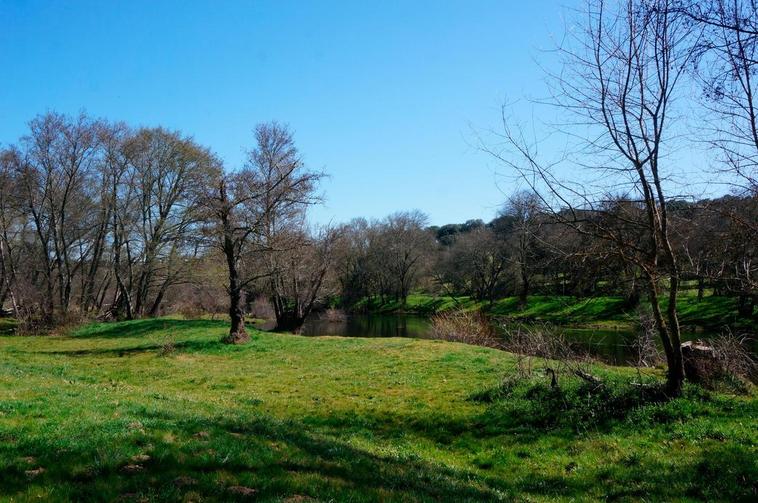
(612, 346)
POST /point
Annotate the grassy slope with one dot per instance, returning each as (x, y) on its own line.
(335, 419)
(711, 312)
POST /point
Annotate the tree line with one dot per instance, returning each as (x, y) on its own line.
(527, 251)
(101, 219)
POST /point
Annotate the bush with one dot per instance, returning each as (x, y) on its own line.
(469, 327)
(734, 355)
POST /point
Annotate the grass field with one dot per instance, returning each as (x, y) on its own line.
(160, 410)
(711, 312)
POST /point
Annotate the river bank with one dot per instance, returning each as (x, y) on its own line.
(709, 314)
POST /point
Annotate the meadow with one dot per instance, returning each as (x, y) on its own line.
(160, 410)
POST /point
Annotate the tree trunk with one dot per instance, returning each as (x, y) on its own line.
(524, 293)
(237, 332)
(700, 288)
(158, 300)
(675, 365)
(745, 305)
(675, 373)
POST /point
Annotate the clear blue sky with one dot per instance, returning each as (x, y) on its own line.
(382, 95)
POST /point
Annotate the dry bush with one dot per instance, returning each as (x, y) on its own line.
(167, 348)
(262, 309)
(645, 344)
(189, 311)
(469, 327)
(334, 315)
(542, 343)
(33, 323)
(196, 300)
(734, 356)
(724, 361)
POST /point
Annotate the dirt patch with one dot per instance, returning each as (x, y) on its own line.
(184, 481)
(247, 492)
(132, 468)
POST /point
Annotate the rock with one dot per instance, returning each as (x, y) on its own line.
(700, 362)
(140, 458)
(35, 472)
(132, 468)
(247, 492)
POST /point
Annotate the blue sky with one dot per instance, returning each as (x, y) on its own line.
(382, 95)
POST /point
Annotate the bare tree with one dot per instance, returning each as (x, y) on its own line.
(167, 169)
(404, 243)
(523, 211)
(11, 226)
(620, 81)
(57, 162)
(729, 75)
(299, 275)
(255, 212)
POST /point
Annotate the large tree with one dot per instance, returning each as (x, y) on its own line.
(622, 72)
(257, 213)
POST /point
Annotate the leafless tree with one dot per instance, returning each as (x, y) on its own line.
(57, 162)
(299, 275)
(524, 213)
(257, 213)
(403, 243)
(729, 75)
(620, 77)
(167, 169)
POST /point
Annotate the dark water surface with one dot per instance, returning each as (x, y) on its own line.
(612, 346)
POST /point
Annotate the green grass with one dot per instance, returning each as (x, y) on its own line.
(111, 413)
(710, 312)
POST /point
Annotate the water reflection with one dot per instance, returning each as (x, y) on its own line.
(371, 326)
(612, 346)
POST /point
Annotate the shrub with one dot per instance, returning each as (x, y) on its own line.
(469, 327)
(734, 355)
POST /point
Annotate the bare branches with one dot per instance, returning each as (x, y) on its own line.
(620, 79)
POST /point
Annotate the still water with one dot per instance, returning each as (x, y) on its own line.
(612, 346)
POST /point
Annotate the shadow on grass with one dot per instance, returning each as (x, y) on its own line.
(562, 309)
(203, 457)
(139, 328)
(206, 457)
(185, 346)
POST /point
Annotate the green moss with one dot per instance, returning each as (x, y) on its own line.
(108, 413)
